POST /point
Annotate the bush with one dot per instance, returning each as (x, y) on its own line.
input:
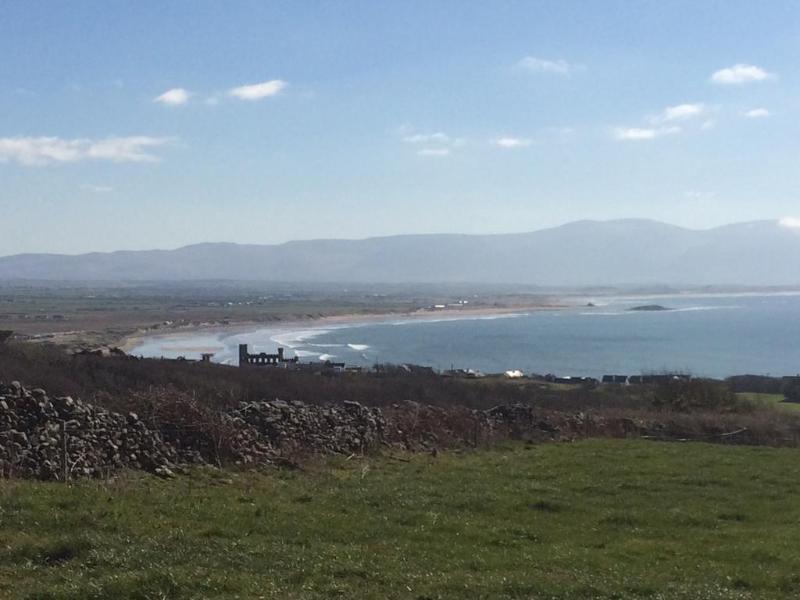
(791, 389)
(684, 395)
(756, 384)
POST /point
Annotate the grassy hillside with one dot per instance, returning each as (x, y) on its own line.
(595, 519)
(776, 400)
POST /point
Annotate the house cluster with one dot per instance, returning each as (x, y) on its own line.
(458, 304)
(645, 379)
(617, 379)
(463, 373)
(281, 361)
(570, 379)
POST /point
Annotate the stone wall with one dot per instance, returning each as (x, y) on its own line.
(61, 438)
(54, 438)
(33, 428)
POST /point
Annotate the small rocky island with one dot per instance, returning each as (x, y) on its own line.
(649, 308)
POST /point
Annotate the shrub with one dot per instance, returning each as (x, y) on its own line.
(791, 389)
(684, 395)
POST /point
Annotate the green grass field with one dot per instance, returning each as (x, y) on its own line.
(776, 400)
(594, 519)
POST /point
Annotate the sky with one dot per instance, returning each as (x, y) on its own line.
(133, 125)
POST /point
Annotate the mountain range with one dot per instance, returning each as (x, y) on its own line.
(581, 253)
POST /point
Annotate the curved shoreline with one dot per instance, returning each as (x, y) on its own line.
(132, 341)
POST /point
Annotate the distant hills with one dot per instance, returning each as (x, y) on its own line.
(583, 253)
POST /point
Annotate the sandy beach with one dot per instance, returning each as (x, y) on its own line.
(134, 340)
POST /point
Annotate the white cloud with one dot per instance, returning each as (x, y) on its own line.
(790, 222)
(665, 122)
(682, 112)
(511, 142)
(438, 138)
(437, 143)
(543, 65)
(740, 73)
(757, 113)
(34, 151)
(173, 97)
(434, 152)
(125, 149)
(257, 91)
(97, 189)
(638, 133)
(427, 138)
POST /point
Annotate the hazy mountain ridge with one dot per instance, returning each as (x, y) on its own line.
(575, 254)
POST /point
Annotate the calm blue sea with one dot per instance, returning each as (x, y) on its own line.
(712, 336)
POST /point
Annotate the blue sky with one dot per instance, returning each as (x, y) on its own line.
(138, 125)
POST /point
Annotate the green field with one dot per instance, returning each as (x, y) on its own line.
(776, 400)
(594, 519)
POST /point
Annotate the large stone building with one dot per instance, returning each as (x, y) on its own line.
(263, 359)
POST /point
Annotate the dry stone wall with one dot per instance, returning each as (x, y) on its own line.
(61, 437)
(58, 438)
(64, 438)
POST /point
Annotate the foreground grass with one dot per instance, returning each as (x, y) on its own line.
(595, 519)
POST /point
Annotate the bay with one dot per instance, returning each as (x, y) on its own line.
(712, 335)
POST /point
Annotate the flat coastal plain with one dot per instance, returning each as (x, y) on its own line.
(98, 315)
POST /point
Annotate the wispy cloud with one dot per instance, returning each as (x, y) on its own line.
(643, 133)
(257, 91)
(427, 138)
(790, 222)
(37, 151)
(757, 113)
(544, 65)
(252, 92)
(97, 189)
(666, 122)
(681, 112)
(173, 97)
(434, 152)
(511, 142)
(437, 143)
(741, 73)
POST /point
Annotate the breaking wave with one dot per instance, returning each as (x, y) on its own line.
(294, 339)
(456, 318)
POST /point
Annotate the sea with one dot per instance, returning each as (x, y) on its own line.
(703, 335)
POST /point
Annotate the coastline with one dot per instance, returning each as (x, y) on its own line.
(588, 347)
(129, 342)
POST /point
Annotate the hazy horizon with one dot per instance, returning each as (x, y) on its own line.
(157, 126)
(755, 253)
(789, 223)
